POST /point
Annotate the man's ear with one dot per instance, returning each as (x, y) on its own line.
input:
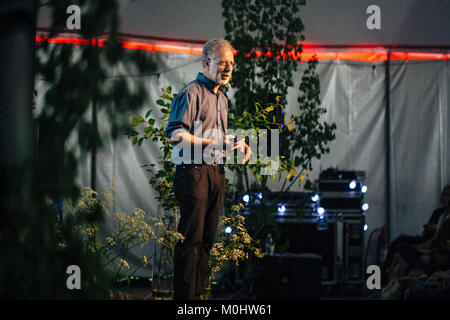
(206, 63)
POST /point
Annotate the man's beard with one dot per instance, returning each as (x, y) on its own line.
(221, 81)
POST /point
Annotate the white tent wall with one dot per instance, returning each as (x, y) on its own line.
(354, 95)
(420, 138)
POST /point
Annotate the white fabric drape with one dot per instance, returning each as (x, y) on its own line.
(354, 95)
(420, 138)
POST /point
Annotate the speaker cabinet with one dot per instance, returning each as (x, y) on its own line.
(289, 276)
(304, 236)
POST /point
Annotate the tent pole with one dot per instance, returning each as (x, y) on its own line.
(94, 149)
(17, 134)
(388, 145)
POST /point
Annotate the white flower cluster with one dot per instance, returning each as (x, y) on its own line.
(134, 227)
(123, 263)
(110, 241)
(128, 230)
(235, 246)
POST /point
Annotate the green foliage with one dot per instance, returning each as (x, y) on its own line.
(268, 37)
(80, 84)
(144, 128)
(239, 244)
(84, 81)
(310, 137)
(233, 245)
(256, 120)
(111, 249)
(166, 239)
(34, 262)
(162, 179)
(112, 246)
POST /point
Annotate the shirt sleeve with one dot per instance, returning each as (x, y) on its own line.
(182, 112)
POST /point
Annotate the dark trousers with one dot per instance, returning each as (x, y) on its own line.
(402, 243)
(200, 190)
(411, 256)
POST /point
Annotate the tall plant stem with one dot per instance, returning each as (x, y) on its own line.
(247, 186)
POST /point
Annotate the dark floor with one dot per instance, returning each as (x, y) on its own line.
(145, 293)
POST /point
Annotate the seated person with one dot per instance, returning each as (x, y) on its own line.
(434, 253)
(429, 230)
(426, 258)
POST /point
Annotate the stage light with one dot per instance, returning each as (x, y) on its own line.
(228, 229)
(281, 209)
(322, 220)
(315, 198)
(365, 227)
(364, 189)
(365, 206)
(352, 184)
(246, 198)
(260, 196)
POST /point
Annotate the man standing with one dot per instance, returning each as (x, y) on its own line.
(200, 186)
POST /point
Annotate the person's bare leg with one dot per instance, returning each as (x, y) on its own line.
(392, 266)
(400, 269)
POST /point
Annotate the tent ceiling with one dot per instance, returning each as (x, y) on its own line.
(404, 23)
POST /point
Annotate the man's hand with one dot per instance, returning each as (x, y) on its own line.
(241, 146)
(228, 140)
(244, 148)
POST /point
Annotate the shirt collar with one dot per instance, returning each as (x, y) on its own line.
(208, 83)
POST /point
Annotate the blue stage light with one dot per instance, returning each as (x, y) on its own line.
(281, 209)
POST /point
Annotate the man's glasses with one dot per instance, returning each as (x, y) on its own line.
(222, 65)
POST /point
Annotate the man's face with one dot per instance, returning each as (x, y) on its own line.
(220, 67)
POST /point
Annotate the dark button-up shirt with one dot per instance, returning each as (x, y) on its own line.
(198, 102)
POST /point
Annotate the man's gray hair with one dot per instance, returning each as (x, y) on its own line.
(211, 47)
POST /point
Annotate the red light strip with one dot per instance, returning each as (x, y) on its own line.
(306, 55)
